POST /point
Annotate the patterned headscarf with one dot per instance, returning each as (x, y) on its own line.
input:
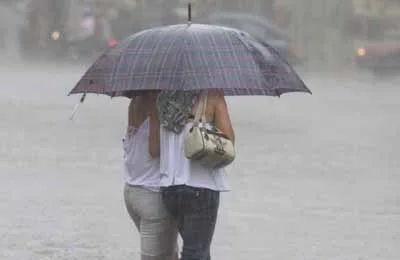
(175, 108)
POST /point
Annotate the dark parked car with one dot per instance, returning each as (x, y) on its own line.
(380, 58)
(260, 28)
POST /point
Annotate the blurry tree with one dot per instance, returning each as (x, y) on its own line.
(319, 28)
(42, 15)
(267, 8)
(169, 15)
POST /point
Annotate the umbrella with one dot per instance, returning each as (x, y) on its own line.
(191, 57)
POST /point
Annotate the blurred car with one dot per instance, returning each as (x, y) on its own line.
(52, 46)
(260, 28)
(380, 58)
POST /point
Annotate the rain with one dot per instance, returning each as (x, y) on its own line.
(316, 176)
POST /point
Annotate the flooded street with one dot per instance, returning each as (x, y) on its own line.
(316, 177)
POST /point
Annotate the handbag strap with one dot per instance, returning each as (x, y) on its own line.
(200, 115)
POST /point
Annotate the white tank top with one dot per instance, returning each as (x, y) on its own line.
(176, 169)
(141, 169)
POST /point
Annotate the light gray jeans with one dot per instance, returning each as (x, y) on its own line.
(158, 231)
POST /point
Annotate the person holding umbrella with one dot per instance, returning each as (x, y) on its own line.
(158, 233)
(190, 191)
(191, 64)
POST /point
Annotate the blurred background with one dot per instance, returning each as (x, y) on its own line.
(323, 34)
(316, 177)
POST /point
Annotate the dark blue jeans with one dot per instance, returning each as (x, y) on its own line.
(195, 210)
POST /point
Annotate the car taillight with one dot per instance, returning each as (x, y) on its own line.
(112, 43)
(361, 52)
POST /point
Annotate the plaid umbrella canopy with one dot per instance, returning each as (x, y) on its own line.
(191, 57)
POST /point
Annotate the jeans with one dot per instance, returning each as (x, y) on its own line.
(195, 211)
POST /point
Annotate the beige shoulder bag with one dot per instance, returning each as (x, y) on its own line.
(211, 148)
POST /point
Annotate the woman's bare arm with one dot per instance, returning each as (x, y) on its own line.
(221, 115)
(136, 115)
(152, 112)
(154, 143)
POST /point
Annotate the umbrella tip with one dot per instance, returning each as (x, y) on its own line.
(189, 12)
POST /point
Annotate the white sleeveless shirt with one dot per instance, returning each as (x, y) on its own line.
(176, 169)
(141, 169)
